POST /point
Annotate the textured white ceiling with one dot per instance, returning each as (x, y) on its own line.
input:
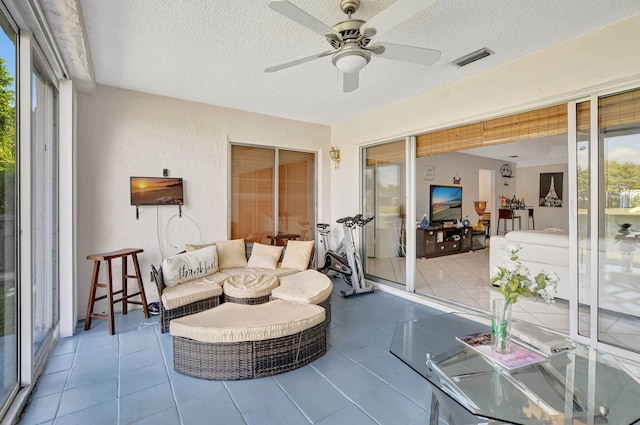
(215, 51)
(527, 153)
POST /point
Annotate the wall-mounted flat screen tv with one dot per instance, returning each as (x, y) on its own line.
(445, 203)
(156, 191)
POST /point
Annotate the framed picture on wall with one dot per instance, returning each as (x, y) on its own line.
(550, 190)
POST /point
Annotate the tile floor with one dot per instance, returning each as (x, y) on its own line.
(463, 278)
(128, 378)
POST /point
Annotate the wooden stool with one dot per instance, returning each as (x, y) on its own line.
(508, 214)
(108, 256)
(531, 220)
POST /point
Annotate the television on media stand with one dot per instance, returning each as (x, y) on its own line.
(445, 204)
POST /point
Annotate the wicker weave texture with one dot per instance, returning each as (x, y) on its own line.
(167, 315)
(327, 308)
(248, 359)
(250, 301)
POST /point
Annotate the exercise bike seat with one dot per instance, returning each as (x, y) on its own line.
(322, 226)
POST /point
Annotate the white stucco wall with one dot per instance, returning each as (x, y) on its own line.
(123, 133)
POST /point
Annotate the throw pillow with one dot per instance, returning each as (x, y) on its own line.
(192, 247)
(184, 267)
(265, 256)
(232, 254)
(297, 255)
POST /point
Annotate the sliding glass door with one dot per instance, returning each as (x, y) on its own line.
(45, 210)
(385, 192)
(8, 215)
(608, 183)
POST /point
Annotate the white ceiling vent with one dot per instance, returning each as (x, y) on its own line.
(472, 57)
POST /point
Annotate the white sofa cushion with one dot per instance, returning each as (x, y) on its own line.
(192, 247)
(264, 256)
(192, 291)
(187, 266)
(250, 285)
(232, 322)
(309, 286)
(536, 257)
(547, 237)
(237, 271)
(231, 254)
(297, 255)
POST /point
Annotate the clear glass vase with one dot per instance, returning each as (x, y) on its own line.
(500, 326)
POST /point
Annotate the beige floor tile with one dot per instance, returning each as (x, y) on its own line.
(464, 279)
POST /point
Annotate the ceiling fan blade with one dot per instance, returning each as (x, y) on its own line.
(297, 62)
(396, 13)
(300, 16)
(350, 81)
(400, 52)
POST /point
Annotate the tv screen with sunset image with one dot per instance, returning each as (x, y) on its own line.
(446, 203)
(156, 191)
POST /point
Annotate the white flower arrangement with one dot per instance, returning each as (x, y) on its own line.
(514, 279)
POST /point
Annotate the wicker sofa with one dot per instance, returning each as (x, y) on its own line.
(243, 341)
(193, 293)
(271, 316)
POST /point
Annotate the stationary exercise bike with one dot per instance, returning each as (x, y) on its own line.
(345, 260)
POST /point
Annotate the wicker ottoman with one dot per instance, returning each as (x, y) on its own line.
(249, 288)
(308, 287)
(241, 341)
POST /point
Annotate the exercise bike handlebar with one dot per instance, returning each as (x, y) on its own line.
(352, 221)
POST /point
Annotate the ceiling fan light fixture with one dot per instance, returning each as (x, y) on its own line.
(351, 60)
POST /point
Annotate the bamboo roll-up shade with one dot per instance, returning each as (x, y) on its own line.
(385, 154)
(524, 126)
(583, 116)
(620, 110)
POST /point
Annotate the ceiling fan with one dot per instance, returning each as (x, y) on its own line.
(351, 39)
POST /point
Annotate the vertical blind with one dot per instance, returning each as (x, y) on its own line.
(254, 173)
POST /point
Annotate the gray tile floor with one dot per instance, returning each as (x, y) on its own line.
(128, 378)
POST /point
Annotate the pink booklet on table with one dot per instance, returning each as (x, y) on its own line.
(518, 357)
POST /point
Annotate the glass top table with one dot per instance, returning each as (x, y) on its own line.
(577, 386)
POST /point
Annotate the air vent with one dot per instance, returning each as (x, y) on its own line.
(472, 57)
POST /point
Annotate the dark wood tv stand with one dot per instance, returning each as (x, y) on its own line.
(438, 241)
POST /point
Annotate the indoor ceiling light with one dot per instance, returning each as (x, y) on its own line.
(351, 60)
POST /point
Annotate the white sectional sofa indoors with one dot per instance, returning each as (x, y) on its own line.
(548, 250)
(193, 281)
(541, 250)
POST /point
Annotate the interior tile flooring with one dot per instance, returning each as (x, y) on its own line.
(464, 279)
(128, 378)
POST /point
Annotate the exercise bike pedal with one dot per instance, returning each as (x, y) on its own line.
(350, 292)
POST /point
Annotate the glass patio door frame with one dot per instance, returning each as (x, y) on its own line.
(596, 180)
(32, 363)
(409, 202)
